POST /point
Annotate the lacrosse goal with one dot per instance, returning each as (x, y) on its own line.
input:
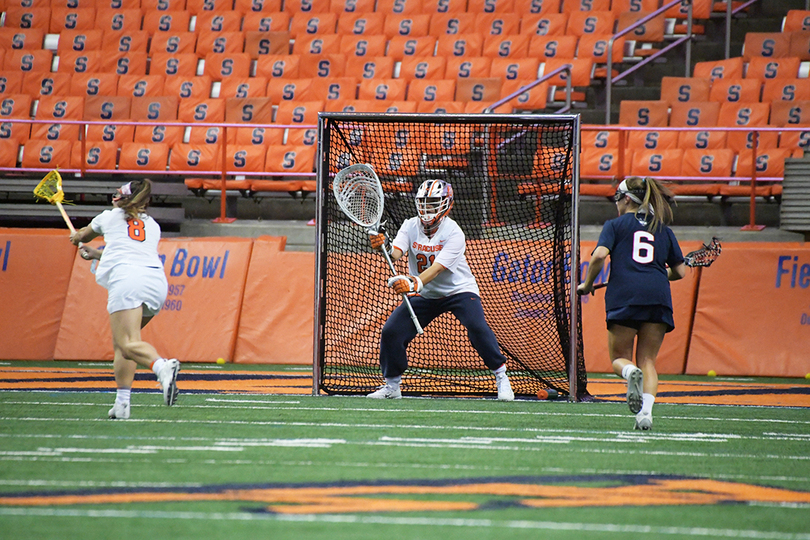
(515, 180)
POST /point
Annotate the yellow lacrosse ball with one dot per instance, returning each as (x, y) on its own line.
(220, 361)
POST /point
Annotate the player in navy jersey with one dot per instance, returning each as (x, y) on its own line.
(644, 258)
(131, 271)
(440, 280)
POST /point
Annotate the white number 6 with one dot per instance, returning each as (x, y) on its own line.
(643, 249)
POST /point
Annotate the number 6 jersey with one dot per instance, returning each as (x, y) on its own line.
(446, 247)
(132, 242)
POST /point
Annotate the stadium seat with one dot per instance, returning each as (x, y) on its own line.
(117, 4)
(324, 66)
(465, 67)
(708, 163)
(451, 23)
(432, 90)
(158, 109)
(260, 136)
(400, 47)
(766, 45)
(382, 89)
(265, 21)
(683, 89)
(548, 24)
(243, 87)
(569, 6)
(310, 24)
(80, 40)
(64, 18)
(195, 157)
(126, 40)
(298, 112)
(242, 159)
(702, 140)
(377, 67)
(401, 7)
(11, 82)
(317, 44)
(644, 113)
(506, 46)
(772, 68)
(595, 47)
(256, 110)
(524, 69)
(58, 108)
(423, 67)
(790, 113)
(498, 24)
(740, 141)
(188, 86)
(406, 25)
(601, 139)
(219, 66)
(694, 114)
(769, 163)
(93, 84)
(731, 68)
(323, 89)
(553, 46)
(600, 164)
(290, 159)
(22, 38)
(166, 21)
(634, 6)
(97, 155)
(783, 89)
(535, 7)
(119, 20)
(279, 90)
(652, 31)
(701, 9)
(800, 45)
(210, 111)
(44, 154)
(361, 23)
(38, 84)
(258, 44)
(220, 43)
(302, 137)
(129, 63)
(363, 45)
(581, 23)
(160, 134)
(743, 114)
(26, 60)
(529, 100)
(112, 109)
(652, 140)
(480, 89)
(735, 90)
(15, 106)
(657, 163)
(795, 140)
(465, 45)
(796, 20)
(440, 107)
(25, 18)
(278, 66)
(445, 6)
(141, 85)
(159, 5)
(77, 62)
(201, 7)
(174, 65)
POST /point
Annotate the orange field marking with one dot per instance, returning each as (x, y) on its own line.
(606, 388)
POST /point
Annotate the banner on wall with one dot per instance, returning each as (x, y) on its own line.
(753, 312)
(198, 322)
(35, 269)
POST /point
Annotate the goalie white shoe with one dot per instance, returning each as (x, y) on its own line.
(644, 421)
(505, 392)
(387, 392)
(168, 381)
(119, 411)
(634, 390)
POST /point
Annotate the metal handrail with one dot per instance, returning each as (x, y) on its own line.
(544, 78)
(729, 13)
(610, 79)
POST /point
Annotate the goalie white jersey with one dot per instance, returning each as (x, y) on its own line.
(447, 248)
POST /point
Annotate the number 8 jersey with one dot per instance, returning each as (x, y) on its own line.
(638, 262)
(132, 242)
(446, 247)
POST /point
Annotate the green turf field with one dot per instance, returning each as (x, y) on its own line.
(295, 466)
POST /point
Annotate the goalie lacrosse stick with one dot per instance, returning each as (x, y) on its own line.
(359, 194)
(50, 189)
(699, 258)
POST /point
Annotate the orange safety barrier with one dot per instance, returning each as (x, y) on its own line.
(35, 268)
(276, 325)
(199, 320)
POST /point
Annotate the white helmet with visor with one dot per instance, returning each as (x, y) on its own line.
(434, 199)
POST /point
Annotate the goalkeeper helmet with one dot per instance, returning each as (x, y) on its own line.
(434, 199)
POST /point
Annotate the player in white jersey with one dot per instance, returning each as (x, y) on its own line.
(131, 271)
(440, 281)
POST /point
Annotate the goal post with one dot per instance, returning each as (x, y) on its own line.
(515, 180)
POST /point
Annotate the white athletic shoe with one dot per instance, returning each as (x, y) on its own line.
(504, 388)
(644, 421)
(168, 381)
(119, 411)
(634, 390)
(387, 391)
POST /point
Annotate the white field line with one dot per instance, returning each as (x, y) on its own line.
(621, 530)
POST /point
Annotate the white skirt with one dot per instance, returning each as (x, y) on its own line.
(129, 287)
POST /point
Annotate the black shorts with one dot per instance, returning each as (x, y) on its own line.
(635, 316)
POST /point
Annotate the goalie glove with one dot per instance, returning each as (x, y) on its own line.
(405, 284)
(379, 242)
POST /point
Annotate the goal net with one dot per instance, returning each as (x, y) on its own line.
(514, 179)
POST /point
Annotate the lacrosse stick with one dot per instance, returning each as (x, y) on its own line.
(359, 194)
(50, 189)
(699, 258)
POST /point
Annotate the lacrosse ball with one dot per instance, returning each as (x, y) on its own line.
(807, 376)
(220, 361)
(712, 373)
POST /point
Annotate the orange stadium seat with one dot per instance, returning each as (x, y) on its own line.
(382, 89)
(800, 45)
(280, 90)
(261, 21)
(553, 46)
(161, 134)
(443, 6)
(130, 63)
(93, 84)
(13, 106)
(220, 43)
(432, 90)
(166, 21)
(173, 42)
(302, 136)
(644, 113)
(701, 9)
(200, 7)
(350, 7)
(25, 18)
(400, 47)
(480, 89)
(731, 68)
(219, 66)
(119, 20)
(548, 24)
(394, 160)
(683, 89)
(125, 40)
(22, 38)
(188, 86)
(406, 25)
(796, 20)
(652, 140)
(324, 66)
(651, 31)
(11, 82)
(323, 89)
(452, 23)
(497, 24)
(595, 47)
(490, 6)
(524, 69)
(403, 7)
(258, 44)
(161, 5)
(363, 45)
(117, 4)
(656, 162)
(786, 90)
(210, 111)
(766, 44)
(735, 90)
(464, 67)
(258, 110)
(532, 99)
(160, 109)
(377, 67)
(465, 45)
(702, 140)
(569, 6)
(740, 141)
(28, 60)
(310, 24)
(195, 157)
(209, 136)
(44, 154)
(599, 139)
(80, 40)
(317, 44)
(743, 114)
(37, 84)
(423, 67)
(440, 107)
(81, 62)
(97, 155)
(298, 112)
(535, 7)
(769, 162)
(772, 68)
(111, 109)
(64, 18)
(58, 108)
(290, 159)
(242, 159)
(596, 163)
(794, 140)
(260, 136)
(694, 114)
(581, 71)
(278, 66)
(634, 6)
(708, 163)
(141, 85)
(361, 23)
(506, 46)
(243, 87)
(581, 23)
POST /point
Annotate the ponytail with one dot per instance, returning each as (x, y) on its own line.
(656, 200)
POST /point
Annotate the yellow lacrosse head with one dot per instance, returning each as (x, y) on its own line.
(50, 188)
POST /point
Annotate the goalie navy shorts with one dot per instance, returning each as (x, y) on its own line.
(399, 330)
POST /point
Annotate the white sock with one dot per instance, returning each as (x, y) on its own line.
(394, 381)
(647, 401)
(157, 365)
(122, 395)
(627, 370)
(500, 372)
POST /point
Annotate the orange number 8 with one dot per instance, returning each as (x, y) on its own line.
(136, 230)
